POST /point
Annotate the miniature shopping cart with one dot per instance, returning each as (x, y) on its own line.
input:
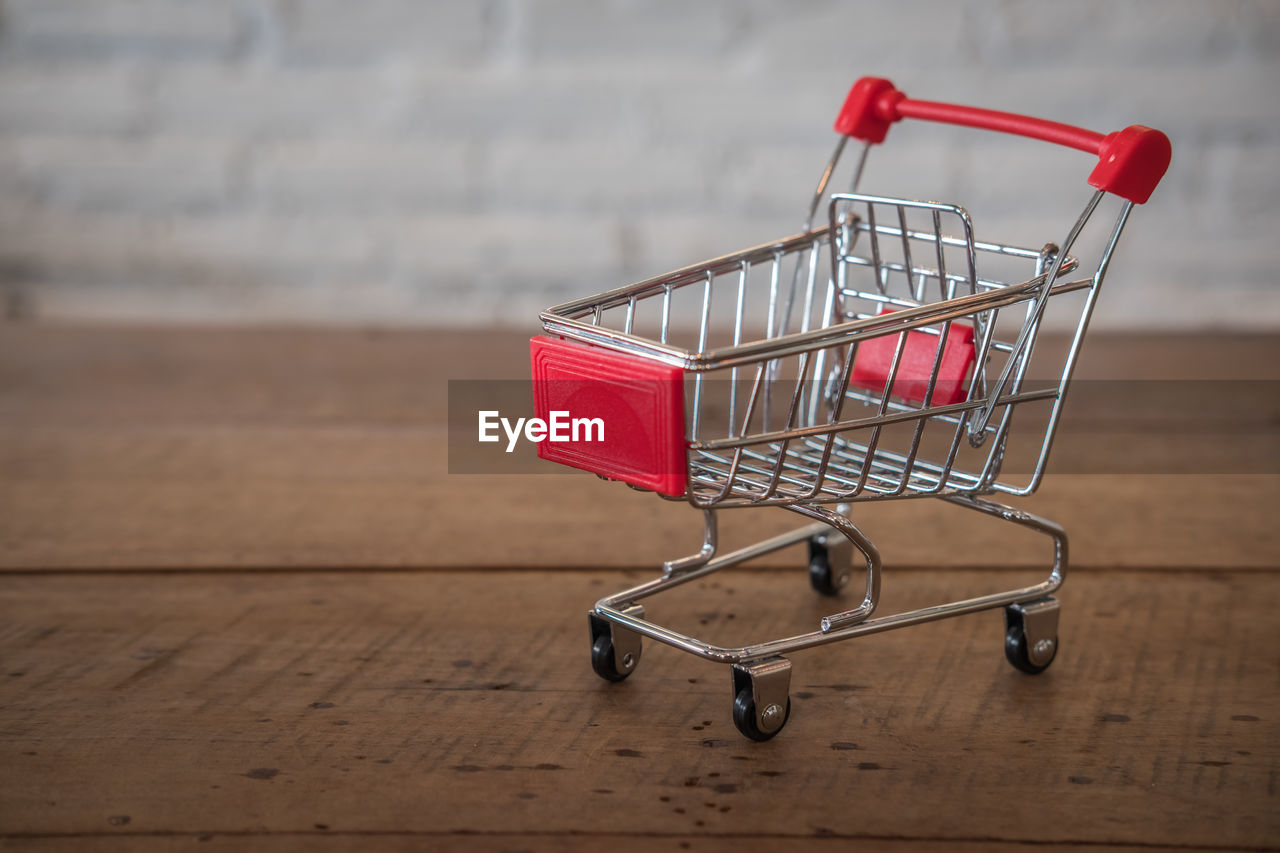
(884, 353)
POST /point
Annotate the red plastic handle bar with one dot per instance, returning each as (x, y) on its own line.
(1131, 162)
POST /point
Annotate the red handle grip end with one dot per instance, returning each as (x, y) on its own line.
(1131, 162)
(869, 110)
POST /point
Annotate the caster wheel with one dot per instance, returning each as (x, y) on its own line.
(604, 662)
(823, 577)
(744, 716)
(615, 651)
(1015, 649)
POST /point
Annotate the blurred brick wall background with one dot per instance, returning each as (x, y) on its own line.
(393, 161)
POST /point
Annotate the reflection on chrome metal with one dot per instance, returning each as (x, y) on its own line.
(684, 564)
(841, 524)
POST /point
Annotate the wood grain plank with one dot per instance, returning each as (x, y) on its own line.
(324, 840)
(52, 375)
(346, 496)
(338, 497)
(164, 448)
(458, 702)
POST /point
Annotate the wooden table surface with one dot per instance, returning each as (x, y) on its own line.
(243, 605)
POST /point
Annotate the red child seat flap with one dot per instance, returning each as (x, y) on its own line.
(875, 358)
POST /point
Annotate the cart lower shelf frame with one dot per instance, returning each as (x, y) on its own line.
(761, 675)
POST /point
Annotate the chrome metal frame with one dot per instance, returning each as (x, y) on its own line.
(790, 440)
(839, 626)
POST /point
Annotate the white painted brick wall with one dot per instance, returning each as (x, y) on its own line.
(461, 161)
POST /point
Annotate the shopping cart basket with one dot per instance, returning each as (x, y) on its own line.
(885, 353)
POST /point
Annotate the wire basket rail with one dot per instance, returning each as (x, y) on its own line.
(885, 353)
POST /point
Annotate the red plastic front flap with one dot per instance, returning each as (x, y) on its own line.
(639, 403)
(872, 364)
